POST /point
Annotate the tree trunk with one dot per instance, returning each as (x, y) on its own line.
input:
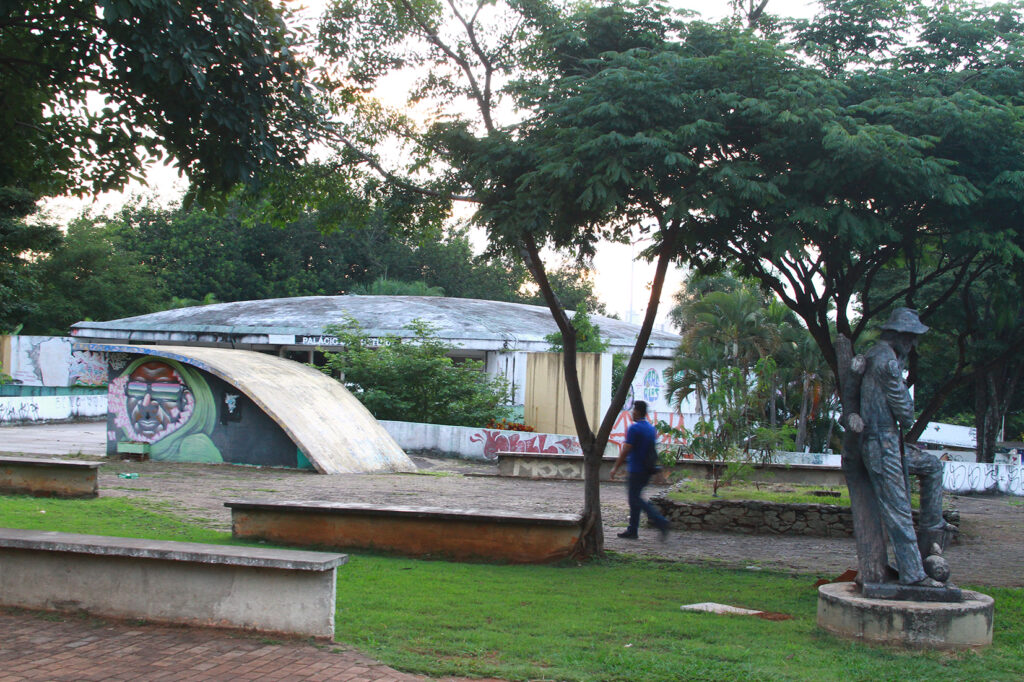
(986, 416)
(801, 431)
(591, 541)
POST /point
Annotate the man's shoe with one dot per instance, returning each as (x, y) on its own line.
(663, 533)
(628, 535)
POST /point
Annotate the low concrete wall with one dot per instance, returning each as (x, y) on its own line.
(480, 443)
(765, 518)
(802, 474)
(270, 590)
(569, 466)
(48, 477)
(416, 531)
(973, 477)
(49, 408)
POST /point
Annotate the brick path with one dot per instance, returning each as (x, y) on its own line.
(38, 646)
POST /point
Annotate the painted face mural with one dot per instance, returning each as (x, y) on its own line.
(166, 404)
(155, 399)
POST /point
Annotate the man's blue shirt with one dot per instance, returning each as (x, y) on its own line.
(641, 436)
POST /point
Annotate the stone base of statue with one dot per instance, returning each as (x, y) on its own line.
(947, 593)
(844, 611)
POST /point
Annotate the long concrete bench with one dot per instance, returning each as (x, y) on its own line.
(562, 466)
(268, 590)
(559, 465)
(461, 534)
(48, 477)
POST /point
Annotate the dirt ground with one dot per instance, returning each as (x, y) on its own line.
(991, 550)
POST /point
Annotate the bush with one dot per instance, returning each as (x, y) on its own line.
(413, 379)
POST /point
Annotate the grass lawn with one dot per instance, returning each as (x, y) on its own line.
(699, 490)
(615, 619)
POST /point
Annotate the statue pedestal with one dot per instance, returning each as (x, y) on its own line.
(843, 611)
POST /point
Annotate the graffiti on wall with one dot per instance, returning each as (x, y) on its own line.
(50, 361)
(20, 410)
(625, 420)
(652, 385)
(166, 404)
(15, 409)
(964, 477)
(510, 441)
(88, 368)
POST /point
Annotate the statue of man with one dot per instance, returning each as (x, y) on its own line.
(887, 409)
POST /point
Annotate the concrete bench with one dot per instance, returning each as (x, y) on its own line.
(269, 590)
(412, 531)
(48, 477)
(563, 466)
(542, 465)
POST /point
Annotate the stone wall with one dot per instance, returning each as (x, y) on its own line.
(764, 518)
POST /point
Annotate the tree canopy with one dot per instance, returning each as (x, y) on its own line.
(93, 90)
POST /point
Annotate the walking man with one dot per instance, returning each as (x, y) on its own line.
(640, 458)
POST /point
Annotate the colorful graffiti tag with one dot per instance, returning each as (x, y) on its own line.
(625, 420)
(652, 385)
(510, 441)
(88, 368)
(166, 404)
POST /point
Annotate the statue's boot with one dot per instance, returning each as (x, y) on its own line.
(941, 534)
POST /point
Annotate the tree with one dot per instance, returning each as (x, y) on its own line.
(902, 150)
(217, 84)
(90, 276)
(588, 335)
(485, 54)
(378, 373)
(974, 353)
(734, 337)
(21, 243)
(573, 287)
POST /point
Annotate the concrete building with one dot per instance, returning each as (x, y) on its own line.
(496, 333)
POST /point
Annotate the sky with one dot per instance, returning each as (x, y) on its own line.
(621, 281)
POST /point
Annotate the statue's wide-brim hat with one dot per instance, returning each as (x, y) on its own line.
(905, 320)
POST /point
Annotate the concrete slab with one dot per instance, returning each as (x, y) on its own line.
(87, 438)
(714, 607)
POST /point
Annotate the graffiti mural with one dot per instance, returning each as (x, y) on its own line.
(625, 420)
(166, 404)
(186, 414)
(88, 368)
(652, 385)
(510, 441)
(50, 361)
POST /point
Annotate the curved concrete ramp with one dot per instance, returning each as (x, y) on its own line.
(333, 429)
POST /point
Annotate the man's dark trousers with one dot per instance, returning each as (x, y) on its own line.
(636, 484)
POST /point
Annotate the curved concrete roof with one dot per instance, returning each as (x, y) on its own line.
(333, 429)
(466, 322)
